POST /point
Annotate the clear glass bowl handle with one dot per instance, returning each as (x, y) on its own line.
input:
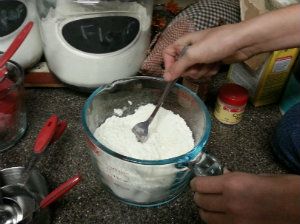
(206, 165)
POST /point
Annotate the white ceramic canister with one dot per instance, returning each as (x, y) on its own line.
(14, 15)
(89, 43)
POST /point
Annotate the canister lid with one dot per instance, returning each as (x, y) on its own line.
(233, 94)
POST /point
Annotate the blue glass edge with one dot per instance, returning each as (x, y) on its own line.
(179, 159)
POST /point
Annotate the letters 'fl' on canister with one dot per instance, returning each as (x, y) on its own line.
(231, 102)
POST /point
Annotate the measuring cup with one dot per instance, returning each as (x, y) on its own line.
(18, 205)
(147, 182)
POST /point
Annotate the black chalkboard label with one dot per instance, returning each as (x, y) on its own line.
(100, 35)
(12, 16)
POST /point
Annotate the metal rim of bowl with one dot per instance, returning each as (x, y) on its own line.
(179, 159)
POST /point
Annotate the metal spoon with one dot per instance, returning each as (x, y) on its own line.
(141, 129)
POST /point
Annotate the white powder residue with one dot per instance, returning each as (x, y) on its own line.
(169, 135)
(118, 112)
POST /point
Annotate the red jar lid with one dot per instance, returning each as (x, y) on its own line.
(233, 94)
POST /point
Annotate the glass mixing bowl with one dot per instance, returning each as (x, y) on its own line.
(147, 182)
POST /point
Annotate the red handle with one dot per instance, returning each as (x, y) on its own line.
(46, 134)
(60, 191)
(61, 127)
(16, 44)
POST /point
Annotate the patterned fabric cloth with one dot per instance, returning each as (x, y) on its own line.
(286, 140)
(201, 15)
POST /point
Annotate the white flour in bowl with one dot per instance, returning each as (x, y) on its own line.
(169, 135)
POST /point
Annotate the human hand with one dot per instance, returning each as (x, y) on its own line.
(240, 198)
(208, 48)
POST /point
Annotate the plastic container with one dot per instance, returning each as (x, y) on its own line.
(13, 122)
(147, 182)
(231, 102)
(91, 43)
(14, 15)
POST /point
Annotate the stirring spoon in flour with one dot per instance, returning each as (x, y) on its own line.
(141, 129)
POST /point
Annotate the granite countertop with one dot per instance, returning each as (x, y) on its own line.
(242, 147)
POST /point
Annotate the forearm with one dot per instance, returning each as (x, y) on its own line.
(276, 30)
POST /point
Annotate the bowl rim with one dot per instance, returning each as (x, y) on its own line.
(192, 154)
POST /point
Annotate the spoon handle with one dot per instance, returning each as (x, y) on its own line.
(162, 99)
(167, 88)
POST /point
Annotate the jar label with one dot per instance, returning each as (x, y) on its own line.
(227, 114)
(101, 35)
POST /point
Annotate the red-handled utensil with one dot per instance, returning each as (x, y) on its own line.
(60, 129)
(50, 133)
(13, 47)
(57, 193)
(60, 191)
(45, 135)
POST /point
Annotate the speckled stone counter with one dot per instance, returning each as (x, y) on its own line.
(242, 147)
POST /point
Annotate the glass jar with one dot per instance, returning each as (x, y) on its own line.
(93, 42)
(231, 103)
(12, 107)
(14, 15)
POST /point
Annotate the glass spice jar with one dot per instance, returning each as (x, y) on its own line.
(231, 102)
(12, 107)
